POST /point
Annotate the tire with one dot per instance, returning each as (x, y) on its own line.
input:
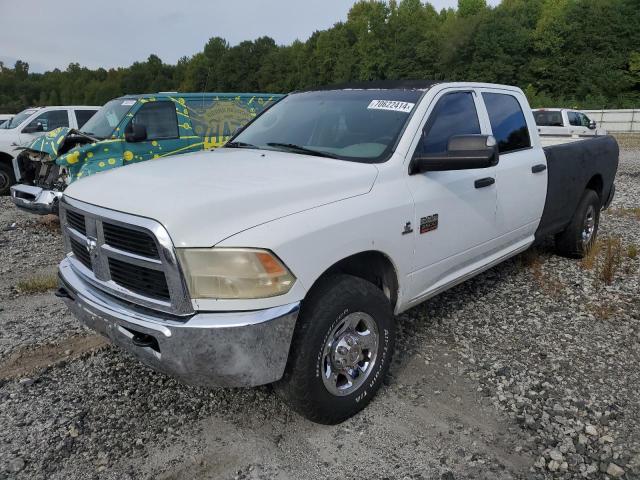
(338, 301)
(6, 178)
(580, 235)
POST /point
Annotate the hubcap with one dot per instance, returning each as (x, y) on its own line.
(589, 225)
(350, 353)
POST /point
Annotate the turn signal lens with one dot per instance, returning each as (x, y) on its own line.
(234, 273)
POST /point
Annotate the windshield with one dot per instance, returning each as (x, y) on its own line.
(357, 125)
(101, 125)
(19, 118)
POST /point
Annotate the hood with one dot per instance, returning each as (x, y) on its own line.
(49, 143)
(205, 197)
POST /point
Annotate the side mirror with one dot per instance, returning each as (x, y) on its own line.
(38, 127)
(592, 125)
(464, 152)
(135, 133)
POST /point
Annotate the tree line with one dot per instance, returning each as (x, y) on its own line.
(577, 53)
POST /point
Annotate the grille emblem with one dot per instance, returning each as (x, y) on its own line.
(91, 244)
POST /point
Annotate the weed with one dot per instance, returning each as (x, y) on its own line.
(632, 251)
(50, 222)
(590, 259)
(602, 311)
(612, 259)
(632, 212)
(37, 284)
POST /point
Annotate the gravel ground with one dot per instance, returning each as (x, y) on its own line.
(527, 371)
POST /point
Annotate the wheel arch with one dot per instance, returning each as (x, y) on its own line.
(596, 184)
(372, 265)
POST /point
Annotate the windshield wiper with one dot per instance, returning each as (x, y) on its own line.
(299, 149)
(239, 145)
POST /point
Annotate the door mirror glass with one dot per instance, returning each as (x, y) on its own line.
(464, 152)
(33, 128)
(135, 133)
(592, 125)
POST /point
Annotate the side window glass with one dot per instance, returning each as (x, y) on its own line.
(574, 119)
(454, 114)
(507, 122)
(160, 120)
(584, 120)
(83, 116)
(51, 120)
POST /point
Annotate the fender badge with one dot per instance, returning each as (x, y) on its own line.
(427, 224)
(407, 228)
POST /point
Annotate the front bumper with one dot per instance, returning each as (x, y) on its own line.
(229, 349)
(35, 199)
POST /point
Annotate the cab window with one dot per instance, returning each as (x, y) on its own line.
(49, 121)
(507, 120)
(160, 120)
(574, 119)
(454, 114)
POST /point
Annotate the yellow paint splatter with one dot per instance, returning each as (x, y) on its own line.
(102, 164)
(73, 157)
(89, 154)
(112, 161)
(156, 156)
(128, 155)
(106, 149)
(154, 143)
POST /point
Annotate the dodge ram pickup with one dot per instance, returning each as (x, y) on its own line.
(283, 256)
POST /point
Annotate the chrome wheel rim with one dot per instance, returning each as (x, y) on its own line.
(350, 353)
(589, 225)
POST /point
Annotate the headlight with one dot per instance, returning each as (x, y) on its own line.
(234, 273)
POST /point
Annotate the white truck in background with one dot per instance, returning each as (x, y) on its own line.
(29, 124)
(561, 125)
(283, 256)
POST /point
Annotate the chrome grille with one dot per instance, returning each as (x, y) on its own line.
(124, 255)
(129, 240)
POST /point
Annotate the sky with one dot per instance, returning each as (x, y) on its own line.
(49, 34)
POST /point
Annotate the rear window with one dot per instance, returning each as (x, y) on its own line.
(507, 122)
(83, 116)
(548, 119)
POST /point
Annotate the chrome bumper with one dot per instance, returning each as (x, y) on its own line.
(35, 199)
(230, 349)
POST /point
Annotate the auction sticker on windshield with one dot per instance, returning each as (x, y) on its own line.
(392, 105)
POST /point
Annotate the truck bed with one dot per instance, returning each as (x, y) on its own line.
(571, 168)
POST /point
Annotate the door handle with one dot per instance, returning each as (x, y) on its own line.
(541, 167)
(484, 182)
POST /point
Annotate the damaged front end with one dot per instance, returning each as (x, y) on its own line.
(42, 179)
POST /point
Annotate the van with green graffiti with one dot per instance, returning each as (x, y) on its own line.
(126, 130)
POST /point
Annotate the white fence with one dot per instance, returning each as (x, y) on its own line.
(616, 121)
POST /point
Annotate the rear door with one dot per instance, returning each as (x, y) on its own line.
(454, 221)
(521, 177)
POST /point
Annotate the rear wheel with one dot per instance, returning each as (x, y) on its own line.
(6, 178)
(341, 350)
(576, 240)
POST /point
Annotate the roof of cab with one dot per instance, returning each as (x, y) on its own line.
(378, 85)
(199, 95)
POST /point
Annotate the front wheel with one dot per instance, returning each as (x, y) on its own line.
(580, 235)
(6, 178)
(341, 350)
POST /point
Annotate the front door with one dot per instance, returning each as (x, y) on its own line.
(455, 211)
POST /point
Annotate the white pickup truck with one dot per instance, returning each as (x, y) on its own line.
(560, 125)
(26, 126)
(283, 257)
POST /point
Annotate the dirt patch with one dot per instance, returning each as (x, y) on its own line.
(24, 362)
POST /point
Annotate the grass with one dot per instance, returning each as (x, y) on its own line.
(602, 312)
(631, 212)
(611, 259)
(50, 222)
(632, 251)
(37, 284)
